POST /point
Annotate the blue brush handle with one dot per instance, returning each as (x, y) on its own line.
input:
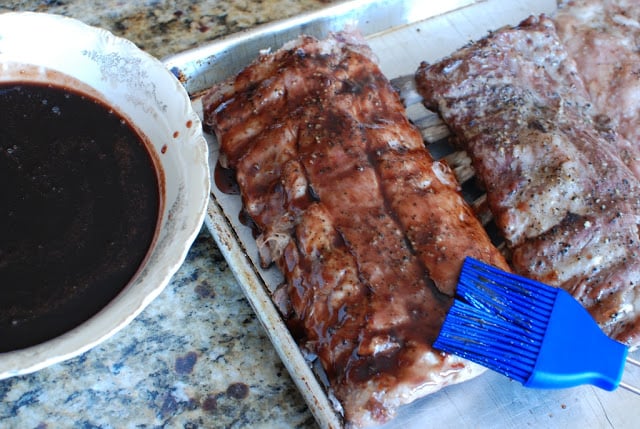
(575, 351)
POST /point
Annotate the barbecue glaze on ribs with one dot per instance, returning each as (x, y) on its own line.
(369, 231)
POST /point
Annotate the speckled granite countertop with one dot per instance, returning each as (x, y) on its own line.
(197, 356)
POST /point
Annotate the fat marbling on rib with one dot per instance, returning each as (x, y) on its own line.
(602, 37)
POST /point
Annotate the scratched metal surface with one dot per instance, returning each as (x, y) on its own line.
(402, 33)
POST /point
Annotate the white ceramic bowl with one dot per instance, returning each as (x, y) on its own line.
(140, 88)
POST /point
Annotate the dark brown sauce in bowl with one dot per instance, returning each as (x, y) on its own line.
(79, 207)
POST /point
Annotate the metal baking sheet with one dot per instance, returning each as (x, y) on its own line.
(402, 33)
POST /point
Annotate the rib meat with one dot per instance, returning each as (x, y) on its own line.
(368, 230)
(563, 199)
(602, 36)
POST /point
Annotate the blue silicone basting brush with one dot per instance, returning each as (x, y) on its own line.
(531, 332)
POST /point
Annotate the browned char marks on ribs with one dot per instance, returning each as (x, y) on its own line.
(563, 199)
(355, 213)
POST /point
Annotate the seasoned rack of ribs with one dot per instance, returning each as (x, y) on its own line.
(368, 230)
(602, 37)
(564, 201)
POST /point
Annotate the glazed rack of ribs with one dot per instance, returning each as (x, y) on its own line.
(367, 228)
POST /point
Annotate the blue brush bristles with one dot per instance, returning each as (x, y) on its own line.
(493, 322)
(531, 332)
